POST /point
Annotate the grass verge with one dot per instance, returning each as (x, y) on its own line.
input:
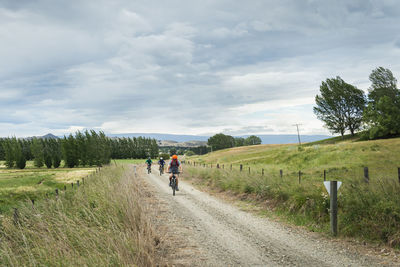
(367, 211)
(102, 223)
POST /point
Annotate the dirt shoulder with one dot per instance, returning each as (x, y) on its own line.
(197, 229)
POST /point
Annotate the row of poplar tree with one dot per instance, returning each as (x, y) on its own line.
(88, 148)
(136, 148)
(343, 107)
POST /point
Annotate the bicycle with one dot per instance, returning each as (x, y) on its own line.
(173, 182)
(148, 168)
(161, 170)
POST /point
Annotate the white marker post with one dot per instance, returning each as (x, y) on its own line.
(135, 169)
(332, 187)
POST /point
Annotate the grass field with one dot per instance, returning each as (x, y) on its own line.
(34, 183)
(368, 211)
(101, 223)
(344, 160)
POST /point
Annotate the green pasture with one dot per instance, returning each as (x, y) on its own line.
(342, 161)
(34, 183)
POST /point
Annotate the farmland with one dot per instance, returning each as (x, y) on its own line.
(367, 210)
(34, 183)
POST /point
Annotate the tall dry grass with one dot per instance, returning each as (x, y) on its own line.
(100, 224)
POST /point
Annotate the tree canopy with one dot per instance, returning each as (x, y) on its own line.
(382, 114)
(340, 106)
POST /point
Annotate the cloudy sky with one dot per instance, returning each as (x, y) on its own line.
(184, 67)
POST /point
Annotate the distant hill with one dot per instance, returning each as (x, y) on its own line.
(164, 143)
(266, 139)
(49, 136)
(160, 136)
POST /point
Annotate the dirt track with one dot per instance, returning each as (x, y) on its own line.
(200, 230)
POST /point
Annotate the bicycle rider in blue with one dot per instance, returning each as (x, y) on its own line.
(174, 167)
(161, 162)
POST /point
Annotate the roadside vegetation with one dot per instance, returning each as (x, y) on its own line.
(369, 211)
(101, 223)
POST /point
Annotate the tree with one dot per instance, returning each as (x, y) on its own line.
(9, 153)
(239, 141)
(252, 140)
(56, 152)
(340, 106)
(37, 152)
(47, 153)
(221, 141)
(70, 151)
(20, 160)
(382, 114)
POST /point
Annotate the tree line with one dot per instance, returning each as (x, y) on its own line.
(88, 148)
(136, 147)
(343, 107)
(222, 141)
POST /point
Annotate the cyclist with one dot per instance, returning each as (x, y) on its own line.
(161, 162)
(174, 167)
(149, 162)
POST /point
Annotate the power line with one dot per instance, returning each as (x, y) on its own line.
(298, 133)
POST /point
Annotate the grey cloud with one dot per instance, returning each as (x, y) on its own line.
(96, 63)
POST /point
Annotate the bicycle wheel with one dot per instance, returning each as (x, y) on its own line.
(173, 186)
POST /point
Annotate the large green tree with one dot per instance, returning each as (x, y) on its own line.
(383, 112)
(252, 140)
(37, 152)
(340, 106)
(221, 141)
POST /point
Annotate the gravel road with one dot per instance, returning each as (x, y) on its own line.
(201, 230)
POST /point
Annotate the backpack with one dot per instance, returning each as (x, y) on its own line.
(175, 163)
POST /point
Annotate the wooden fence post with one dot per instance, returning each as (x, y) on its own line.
(241, 167)
(231, 166)
(83, 180)
(65, 188)
(281, 173)
(217, 165)
(262, 172)
(72, 185)
(398, 172)
(16, 216)
(77, 183)
(299, 177)
(223, 167)
(366, 175)
(56, 192)
(249, 170)
(333, 207)
(33, 203)
(324, 175)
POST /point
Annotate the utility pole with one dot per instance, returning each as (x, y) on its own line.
(298, 133)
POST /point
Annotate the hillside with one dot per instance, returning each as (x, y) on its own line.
(381, 156)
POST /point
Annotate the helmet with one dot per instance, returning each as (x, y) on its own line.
(174, 157)
(161, 158)
(149, 158)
